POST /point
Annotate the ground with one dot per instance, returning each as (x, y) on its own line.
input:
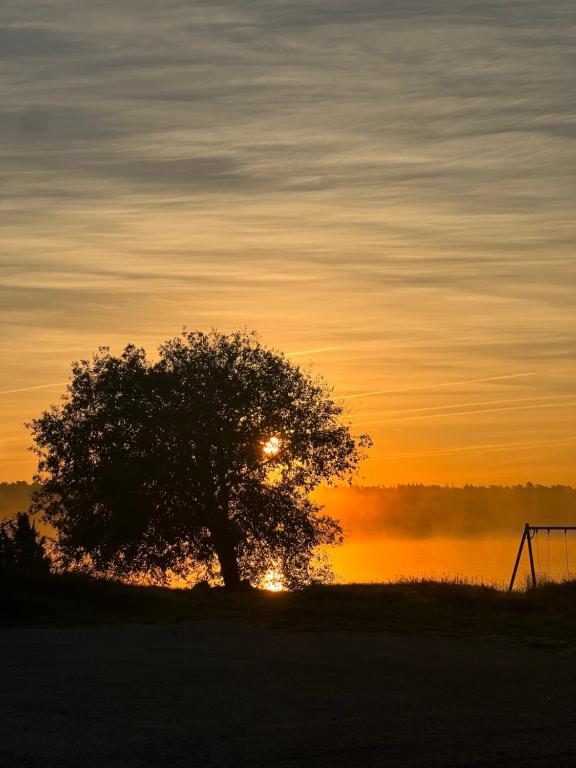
(226, 692)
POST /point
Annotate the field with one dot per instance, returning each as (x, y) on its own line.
(412, 674)
(545, 617)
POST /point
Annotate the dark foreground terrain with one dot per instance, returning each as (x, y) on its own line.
(221, 693)
(417, 674)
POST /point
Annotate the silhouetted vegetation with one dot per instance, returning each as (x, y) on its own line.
(22, 549)
(204, 459)
(543, 617)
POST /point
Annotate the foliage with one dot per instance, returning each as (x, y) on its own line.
(147, 467)
(22, 549)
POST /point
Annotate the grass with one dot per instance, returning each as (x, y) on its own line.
(544, 617)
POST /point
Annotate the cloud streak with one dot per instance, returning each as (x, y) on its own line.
(316, 351)
(33, 388)
(513, 446)
(445, 408)
(472, 412)
(443, 384)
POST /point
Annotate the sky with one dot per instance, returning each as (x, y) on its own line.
(384, 190)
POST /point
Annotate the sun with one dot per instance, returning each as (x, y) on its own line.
(272, 446)
(273, 581)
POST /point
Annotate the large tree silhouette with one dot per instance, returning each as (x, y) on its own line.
(204, 458)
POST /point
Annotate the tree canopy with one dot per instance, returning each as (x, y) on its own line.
(203, 458)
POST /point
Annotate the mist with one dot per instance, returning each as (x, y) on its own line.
(422, 511)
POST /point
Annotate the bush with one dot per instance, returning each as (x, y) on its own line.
(22, 549)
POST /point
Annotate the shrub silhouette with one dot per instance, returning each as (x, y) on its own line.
(204, 458)
(22, 549)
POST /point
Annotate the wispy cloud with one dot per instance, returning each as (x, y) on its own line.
(470, 412)
(315, 351)
(369, 417)
(32, 388)
(441, 385)
(512, 446)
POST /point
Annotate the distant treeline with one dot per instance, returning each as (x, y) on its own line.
(425, 510)
(14, 497)
(413, 510)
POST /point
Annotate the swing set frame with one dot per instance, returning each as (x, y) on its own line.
(527, 536)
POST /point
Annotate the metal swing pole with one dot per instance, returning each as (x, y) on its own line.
(531, 555)
(525, 535)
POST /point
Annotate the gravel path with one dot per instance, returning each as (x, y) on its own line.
(223, 694)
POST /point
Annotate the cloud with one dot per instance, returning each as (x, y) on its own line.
(316, 351)
(390, 178)
(442, 384)
(452, 406)
(195, 174)
(28, 42)
(34, 127)
(447, 415)
(33, 388)
(529, 445)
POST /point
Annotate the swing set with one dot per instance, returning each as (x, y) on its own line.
(531, 531)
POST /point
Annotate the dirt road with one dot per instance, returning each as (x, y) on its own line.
(222, 694)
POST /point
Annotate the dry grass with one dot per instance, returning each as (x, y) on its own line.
(543, 617)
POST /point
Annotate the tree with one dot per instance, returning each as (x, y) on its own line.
(22, 549)
(205, 458)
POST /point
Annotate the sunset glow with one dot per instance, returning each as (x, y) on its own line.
(418, 254)
(287, 304)
(273, 581)
(272, 447)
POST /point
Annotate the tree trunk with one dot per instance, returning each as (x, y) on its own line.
(226, 554)
(222, 537)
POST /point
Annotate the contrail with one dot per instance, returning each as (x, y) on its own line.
(480, 447)
(38, 386)
(454, 405)
(443, 384)
(467, 413)
(313, 351)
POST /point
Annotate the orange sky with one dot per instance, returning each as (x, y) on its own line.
(512, 428)
(390, 187)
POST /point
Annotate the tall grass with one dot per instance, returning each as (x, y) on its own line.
(546, 615)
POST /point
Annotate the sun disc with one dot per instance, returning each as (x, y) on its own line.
(272, 446)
